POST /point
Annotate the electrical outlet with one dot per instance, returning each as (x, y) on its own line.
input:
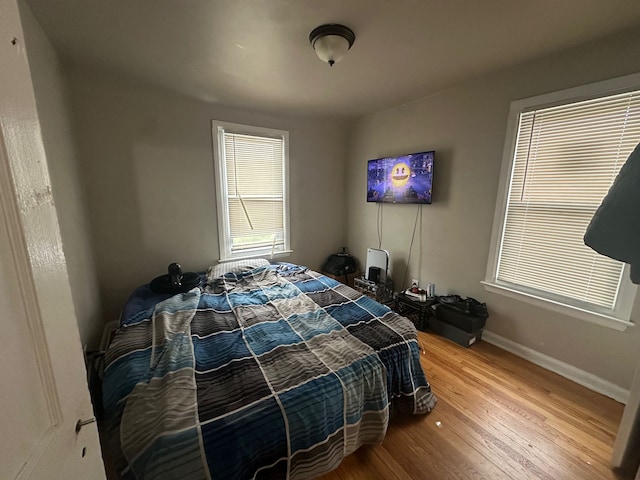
(414, 282)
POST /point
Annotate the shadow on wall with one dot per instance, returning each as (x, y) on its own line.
(397, 268)
(149, 185)
(442, 176)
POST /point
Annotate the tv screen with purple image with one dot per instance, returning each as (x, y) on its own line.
(402, 179)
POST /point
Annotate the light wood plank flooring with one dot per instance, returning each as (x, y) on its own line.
(498, 417)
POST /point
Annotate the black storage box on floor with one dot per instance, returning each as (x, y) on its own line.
(459, 320)
(455, 334)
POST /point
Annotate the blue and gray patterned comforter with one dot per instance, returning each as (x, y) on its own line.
(278, 372)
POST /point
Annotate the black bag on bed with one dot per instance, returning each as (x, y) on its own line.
(340, 264)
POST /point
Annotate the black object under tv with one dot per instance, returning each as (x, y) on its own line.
(401, 179)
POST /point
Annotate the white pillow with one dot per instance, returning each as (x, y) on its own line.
(237, 266)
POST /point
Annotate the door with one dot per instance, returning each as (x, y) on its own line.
(43, 388)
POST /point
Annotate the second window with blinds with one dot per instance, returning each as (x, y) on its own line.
(563, 152)
(251, 168)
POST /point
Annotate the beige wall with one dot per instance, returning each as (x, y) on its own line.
(148, 171)
(466, 126)
(52, 103)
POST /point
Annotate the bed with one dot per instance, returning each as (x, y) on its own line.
(263, 371)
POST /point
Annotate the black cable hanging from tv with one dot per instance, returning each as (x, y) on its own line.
(379, 225)
(415, 224)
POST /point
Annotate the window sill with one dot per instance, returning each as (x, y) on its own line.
(268, 256)
(601, 319)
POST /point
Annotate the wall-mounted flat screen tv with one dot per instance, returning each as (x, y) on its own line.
(402, 179)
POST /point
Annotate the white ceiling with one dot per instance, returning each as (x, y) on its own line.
(256, 54)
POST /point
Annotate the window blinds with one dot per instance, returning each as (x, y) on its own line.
(566, 158)
(255, 191)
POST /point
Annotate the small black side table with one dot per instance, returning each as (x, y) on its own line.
(415, 310)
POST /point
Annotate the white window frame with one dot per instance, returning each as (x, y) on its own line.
(619, 317)
(224, 228)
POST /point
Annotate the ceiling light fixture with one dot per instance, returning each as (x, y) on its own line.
(331, 42)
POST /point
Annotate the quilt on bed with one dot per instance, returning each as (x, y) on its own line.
(278, 372)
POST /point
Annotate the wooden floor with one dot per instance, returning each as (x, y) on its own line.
(497, 417)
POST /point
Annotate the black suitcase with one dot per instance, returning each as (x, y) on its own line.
(466, 314)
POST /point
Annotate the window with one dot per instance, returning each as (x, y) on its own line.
(562, 155)
(251, 165)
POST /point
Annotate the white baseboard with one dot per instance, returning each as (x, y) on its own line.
(581, 377)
